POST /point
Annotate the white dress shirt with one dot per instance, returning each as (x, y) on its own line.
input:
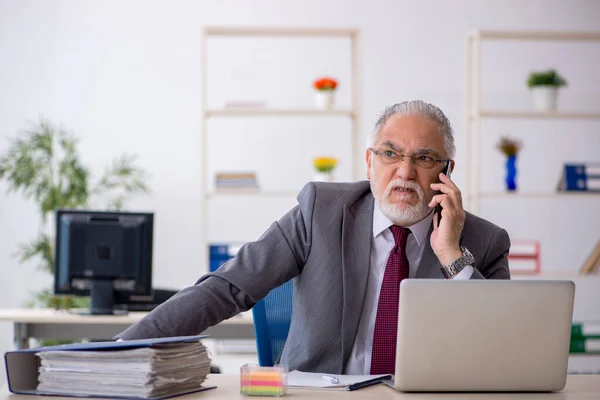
(382, 244)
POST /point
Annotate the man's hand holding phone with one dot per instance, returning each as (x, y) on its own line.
(448, 220)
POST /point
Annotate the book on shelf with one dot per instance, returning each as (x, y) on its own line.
(236, 190)
(236, 181)
(220, 253)
(135, 369)
(524, 257)
(242, 175)
(585, 345)
(580, 177)
(585, 329)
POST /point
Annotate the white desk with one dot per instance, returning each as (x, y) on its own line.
(579, 387)
(51, 324)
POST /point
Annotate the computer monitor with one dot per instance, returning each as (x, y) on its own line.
(104, 255)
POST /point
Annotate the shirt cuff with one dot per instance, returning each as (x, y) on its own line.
(465, 273)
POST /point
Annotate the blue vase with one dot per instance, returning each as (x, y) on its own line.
(511, 173)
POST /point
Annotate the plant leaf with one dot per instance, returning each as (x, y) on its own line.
(42, 247)
(120, 181)
(43, 165)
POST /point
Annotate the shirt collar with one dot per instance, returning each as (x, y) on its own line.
(420, 230)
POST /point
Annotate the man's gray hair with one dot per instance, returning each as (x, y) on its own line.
(422, 109)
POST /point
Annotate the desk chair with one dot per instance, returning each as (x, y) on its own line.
(272, 316)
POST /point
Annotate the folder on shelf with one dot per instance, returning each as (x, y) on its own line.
(524, 257)
(135, 369)
(220, 253)
(581, 177)
(245, 180)
(589, 345)
(585, 329)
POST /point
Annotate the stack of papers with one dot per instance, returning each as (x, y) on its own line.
(147, 372)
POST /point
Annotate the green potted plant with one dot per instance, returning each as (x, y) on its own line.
(42, 164)
(544, 87)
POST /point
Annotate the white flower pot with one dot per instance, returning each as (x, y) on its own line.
(544, 97)
(323, 177)
(325, 99)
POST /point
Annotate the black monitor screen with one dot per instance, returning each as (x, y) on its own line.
(107, 255)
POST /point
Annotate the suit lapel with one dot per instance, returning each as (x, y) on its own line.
(357, 229)
(430, 267)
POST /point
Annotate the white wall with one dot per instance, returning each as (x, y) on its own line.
(125, 77)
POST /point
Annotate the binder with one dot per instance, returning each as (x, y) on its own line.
(585, 345)
(22, 365)
(580, 177)
(220, 253)
(524, 257)
(585, 329)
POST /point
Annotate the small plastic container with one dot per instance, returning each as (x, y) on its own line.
(262, 381)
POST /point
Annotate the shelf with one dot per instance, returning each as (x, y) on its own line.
(581, 194)
(242, 192)
(274, 31)
(537, 114)
(262, 112)
(476, 111)
(537, 35)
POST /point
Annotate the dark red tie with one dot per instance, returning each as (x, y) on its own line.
(386, 323)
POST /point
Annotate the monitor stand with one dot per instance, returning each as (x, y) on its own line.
(102, 298)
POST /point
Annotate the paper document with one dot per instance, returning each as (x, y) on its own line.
(315, 380)
(161, 370)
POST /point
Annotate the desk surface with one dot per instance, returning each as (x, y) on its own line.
(50, 316)
(579, 387)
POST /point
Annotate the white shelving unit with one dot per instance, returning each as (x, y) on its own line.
(353, 113)
(586, 297)
(475, 112)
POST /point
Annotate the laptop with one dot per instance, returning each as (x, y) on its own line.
(483, 335)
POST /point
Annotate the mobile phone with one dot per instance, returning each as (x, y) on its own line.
(438, 208)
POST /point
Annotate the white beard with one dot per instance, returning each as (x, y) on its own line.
(409, 214)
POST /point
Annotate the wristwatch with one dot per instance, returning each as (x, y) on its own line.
(458, 265)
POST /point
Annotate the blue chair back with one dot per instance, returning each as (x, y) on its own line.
(272, 316)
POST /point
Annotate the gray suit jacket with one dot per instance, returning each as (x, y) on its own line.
(324, 243)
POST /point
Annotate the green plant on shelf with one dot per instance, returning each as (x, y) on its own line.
(549, 77)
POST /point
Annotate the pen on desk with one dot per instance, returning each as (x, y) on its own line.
(330, 379)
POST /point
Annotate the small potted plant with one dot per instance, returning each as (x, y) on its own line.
(324, 167)
(325, 90)
(510, 148)
(544, 87)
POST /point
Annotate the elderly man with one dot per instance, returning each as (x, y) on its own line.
(348, 246)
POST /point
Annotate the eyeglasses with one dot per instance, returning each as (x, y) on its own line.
(391, 157)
